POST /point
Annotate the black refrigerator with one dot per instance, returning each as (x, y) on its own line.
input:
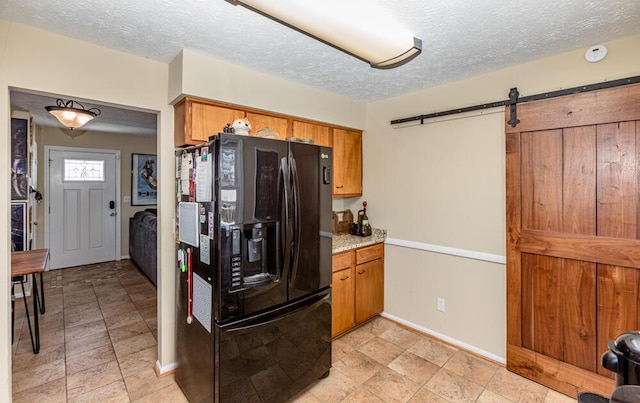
(254, 228)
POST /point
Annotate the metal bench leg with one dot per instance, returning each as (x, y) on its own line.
(36, 302)
(35, 344)
(42, 307)
(13, 309)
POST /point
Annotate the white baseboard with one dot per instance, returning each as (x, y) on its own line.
(447, 339)
(161, 370)
(125, 257)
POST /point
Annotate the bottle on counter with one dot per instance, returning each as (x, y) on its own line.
(363, 220)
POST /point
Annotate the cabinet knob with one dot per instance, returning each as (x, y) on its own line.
(344, 278)
(362, 272)
(339, 187)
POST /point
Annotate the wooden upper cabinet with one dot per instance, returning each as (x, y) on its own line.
(259, 121)
(347, 163)
(195, 121)
(320, 134)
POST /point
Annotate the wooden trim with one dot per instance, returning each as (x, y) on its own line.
(608, 105)
(555, 374)
(611, 251)
(513, 194)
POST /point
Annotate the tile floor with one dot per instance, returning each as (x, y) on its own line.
(99, 344)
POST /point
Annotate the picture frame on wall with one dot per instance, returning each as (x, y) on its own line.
(19, 167)
(144, 183)
(19, 226)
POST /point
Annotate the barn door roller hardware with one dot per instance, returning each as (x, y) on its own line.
(515, 99)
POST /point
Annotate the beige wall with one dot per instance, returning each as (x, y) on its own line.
(443, 184)
(453, 171)
(51, 136)
(36, 60)
(194, 74)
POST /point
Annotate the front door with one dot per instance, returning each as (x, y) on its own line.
(82, 206)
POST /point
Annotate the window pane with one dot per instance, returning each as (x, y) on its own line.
(83, 171)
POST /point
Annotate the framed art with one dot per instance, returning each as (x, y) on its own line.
(144, 184)
(19, 226)
(19, 150)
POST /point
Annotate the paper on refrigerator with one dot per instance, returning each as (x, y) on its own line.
(186, 165)
(203, 178)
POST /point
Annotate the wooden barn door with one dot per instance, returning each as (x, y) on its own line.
(573, 235)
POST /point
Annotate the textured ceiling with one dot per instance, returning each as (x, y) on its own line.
(112, 119)
(461, 38)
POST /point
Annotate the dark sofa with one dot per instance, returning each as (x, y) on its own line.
(143, 242)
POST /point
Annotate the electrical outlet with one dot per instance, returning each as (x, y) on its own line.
(440, 304)
(126, 199)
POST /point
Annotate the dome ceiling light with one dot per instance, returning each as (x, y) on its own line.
(72, 114)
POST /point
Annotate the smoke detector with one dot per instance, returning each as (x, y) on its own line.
(595, 53)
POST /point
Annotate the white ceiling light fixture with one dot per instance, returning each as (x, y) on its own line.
(72, 114)
(354, 26)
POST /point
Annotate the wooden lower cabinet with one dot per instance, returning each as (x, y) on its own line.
(357, 287)
(343, 296)
(369, 289)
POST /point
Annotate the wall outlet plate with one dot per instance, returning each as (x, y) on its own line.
(440, 304)
(126, 199)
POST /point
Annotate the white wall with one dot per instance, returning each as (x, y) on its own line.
(443, 184)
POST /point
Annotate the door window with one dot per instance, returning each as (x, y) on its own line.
(83, 170)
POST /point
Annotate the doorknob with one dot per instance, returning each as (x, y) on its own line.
(112, 204)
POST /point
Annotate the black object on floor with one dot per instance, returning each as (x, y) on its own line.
(588, 397)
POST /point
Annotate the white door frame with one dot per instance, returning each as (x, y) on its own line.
(116, 153)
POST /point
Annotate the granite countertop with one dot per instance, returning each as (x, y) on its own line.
(343, 243)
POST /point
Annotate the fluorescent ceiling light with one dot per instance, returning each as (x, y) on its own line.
(355, 26)
(72, 116)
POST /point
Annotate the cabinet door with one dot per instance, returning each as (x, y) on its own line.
(207, 120)
(321, 135)
(347, 163)
(369, 289)
(342, 301)
(259, 122)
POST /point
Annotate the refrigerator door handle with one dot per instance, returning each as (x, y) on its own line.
(284, 222)
(296, 219)
(312, 303)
